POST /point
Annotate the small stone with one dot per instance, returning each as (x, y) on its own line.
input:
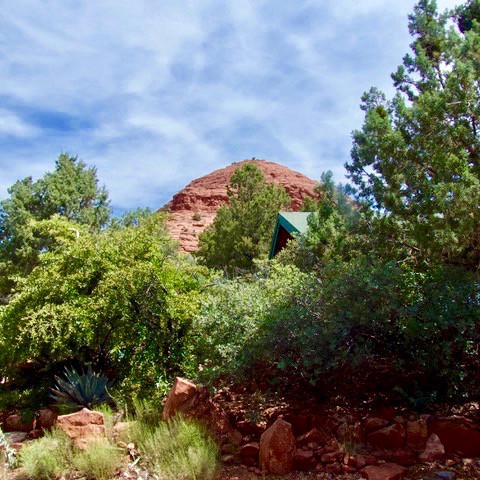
(228, 459)
(445, 475)
(314, 435)
(333, 468)
(374, 423)
(387, 471)
(434, 450)
(304, 460)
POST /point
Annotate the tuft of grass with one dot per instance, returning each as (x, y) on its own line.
(177, 450)
(47, 457)
(109, 419)
(99, 461)
(147, 413)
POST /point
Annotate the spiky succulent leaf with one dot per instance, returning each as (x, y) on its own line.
(79, 390)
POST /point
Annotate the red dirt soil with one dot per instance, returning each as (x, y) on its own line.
(205, 195)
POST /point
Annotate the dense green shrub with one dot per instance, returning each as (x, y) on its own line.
(357, 319)
(236, 313)
(120, 300)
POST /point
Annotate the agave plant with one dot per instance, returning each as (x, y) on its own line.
(80, 390)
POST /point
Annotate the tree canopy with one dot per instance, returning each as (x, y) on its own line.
(70, 191)
(416, 161)
(242, 231)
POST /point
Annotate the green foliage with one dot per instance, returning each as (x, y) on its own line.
(117, 299)
(242, 231)
(147, 413)
(48, 457)
(416, 161)
(176, 449)
(71, 191)
(331, 227)
(230, 325)
(99, 461)
(80, 390)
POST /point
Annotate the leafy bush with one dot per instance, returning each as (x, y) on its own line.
(81, 390)
(236, 314)
(47, 457)
(99, 460)
(119, 299)
(178, 449)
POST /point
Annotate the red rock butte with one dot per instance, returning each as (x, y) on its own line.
(194, 208)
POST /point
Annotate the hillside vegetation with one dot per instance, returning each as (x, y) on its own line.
(384, 285)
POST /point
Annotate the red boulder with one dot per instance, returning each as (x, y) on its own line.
(391, 437)
(249, 454)
(417, 434)
(15, 423)
(82, 427)
(181, 398)
(277, 448)
(434, 450)
(457, 436)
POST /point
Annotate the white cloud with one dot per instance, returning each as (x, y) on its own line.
(158, 93)
(12, 125)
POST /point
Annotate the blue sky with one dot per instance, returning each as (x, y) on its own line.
(155, 94)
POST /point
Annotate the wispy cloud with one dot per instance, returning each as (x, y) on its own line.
(157, 93)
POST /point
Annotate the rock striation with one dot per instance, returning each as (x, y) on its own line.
(194, 208)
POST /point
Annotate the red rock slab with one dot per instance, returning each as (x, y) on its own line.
(387, 471)
(390, 438)
(374, 423)
(82, 427)
(313, 436)
(457, 437)
(304, 460)
(181, 398)
(417, 434)
(277, 448)
(15, 423)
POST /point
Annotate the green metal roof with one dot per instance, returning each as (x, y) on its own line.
(292, 222)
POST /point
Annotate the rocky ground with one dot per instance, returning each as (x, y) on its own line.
(264, 435)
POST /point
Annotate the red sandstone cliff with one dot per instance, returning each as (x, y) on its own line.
(194, 208)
